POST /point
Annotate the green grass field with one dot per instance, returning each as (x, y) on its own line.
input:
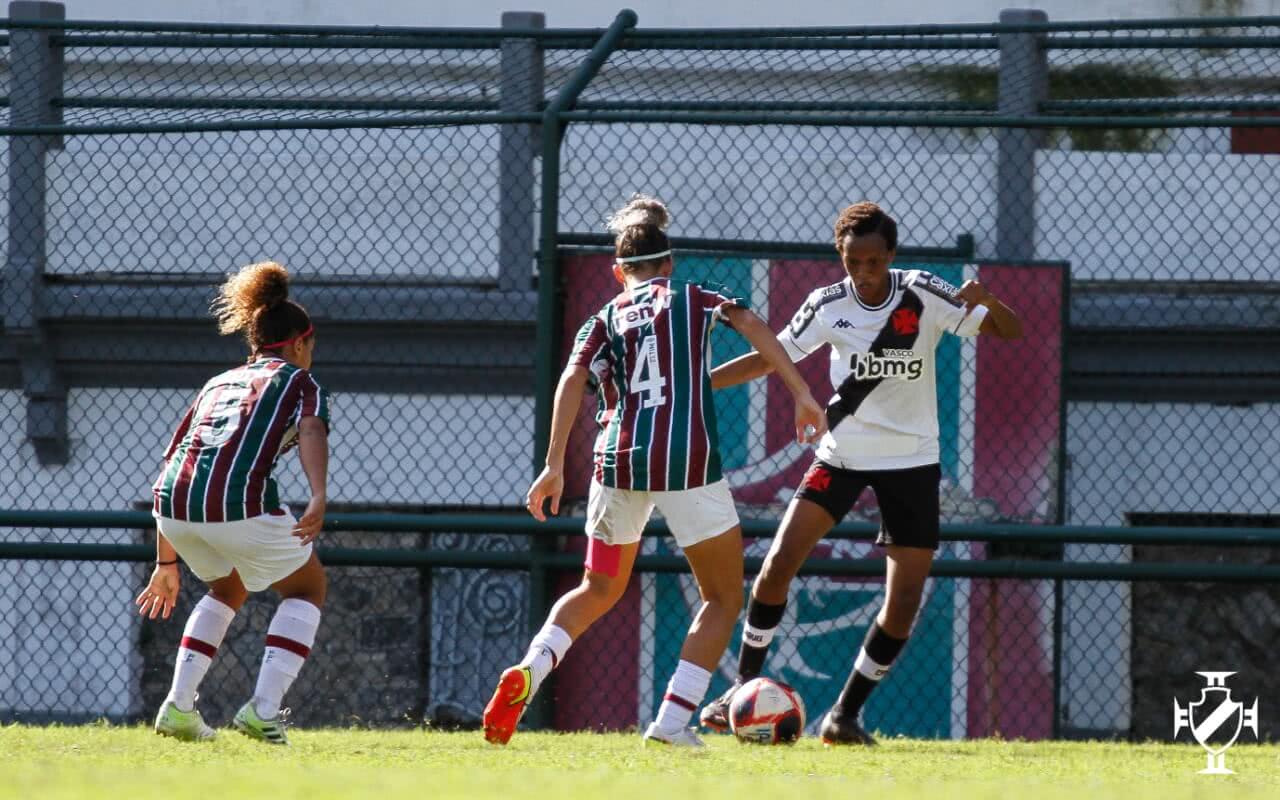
(101, 760)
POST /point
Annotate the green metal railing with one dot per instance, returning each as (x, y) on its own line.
(540, 560)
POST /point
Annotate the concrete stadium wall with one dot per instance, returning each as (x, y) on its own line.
(423, 204)
(653, 13)
(1161, 457)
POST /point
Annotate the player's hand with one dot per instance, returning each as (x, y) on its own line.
(811, 420)
(973, 294)
(550, 484)
(308, 527)
(161, 594)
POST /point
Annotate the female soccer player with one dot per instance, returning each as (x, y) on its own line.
(883, 326)
(648, 352)
(217, 507)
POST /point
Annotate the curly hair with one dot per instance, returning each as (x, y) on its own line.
(861, 219)
(639, 229)
(255, 301)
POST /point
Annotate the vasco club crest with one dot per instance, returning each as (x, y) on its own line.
(1215, 720)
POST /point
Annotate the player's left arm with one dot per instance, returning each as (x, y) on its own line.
(549, 485)
(1000, 320)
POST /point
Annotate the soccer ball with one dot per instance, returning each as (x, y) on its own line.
(765, 711)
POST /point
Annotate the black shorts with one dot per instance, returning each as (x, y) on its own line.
(908, 499)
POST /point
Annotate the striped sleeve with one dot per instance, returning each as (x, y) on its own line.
(717, 299)
(181, 432)
(314, 400)
(589, 345)
(805, 333)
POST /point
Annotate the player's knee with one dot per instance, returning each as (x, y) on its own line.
(726, 600)
(314, 591)
(605, 590)
(230, 596)
(732, 601)
(320, 592)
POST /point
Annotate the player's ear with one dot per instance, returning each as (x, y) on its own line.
(619, 275)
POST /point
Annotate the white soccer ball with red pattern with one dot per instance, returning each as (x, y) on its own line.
(765, 711)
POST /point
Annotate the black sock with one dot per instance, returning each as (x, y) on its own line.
(879, 650)
(762, 621)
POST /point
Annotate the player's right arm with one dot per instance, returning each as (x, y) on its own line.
(801, 337)
(313, 452)
(810, 418)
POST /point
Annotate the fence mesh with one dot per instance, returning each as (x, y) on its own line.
(1116, 185)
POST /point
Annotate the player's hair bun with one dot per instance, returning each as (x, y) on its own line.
(642, 209)
(248, 292)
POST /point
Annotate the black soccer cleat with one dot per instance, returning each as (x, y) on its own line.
(840, 730)
(715, 715)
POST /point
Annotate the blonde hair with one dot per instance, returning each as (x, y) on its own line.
(639, 230)
(641, 209)
(255, 301)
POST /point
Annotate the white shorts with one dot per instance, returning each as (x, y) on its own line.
(618, 516)
(262, 549)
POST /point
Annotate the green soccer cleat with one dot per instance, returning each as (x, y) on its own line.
(185, 726)
(271, 731)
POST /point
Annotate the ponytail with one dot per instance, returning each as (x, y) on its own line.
(255, 301)
(639, 229)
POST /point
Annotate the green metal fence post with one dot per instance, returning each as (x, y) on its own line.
(35, 77)
(549, 315)
(1064, 463)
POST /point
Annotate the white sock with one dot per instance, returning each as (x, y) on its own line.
(200, 642)
(289, 640)
(546, 651)
(685, 691)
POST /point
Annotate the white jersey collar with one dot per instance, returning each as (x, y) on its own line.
(893, 291)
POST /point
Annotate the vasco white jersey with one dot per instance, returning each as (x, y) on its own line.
(884, 414)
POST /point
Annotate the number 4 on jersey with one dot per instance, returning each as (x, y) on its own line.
(647, 365)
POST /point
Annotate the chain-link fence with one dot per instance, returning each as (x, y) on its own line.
(440, 196)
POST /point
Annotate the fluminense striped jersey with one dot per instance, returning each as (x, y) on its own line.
(218, 464)
(650, 349)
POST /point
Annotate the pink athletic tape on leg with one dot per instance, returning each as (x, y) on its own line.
(603, 558)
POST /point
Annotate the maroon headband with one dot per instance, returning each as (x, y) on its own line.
(276, 345)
